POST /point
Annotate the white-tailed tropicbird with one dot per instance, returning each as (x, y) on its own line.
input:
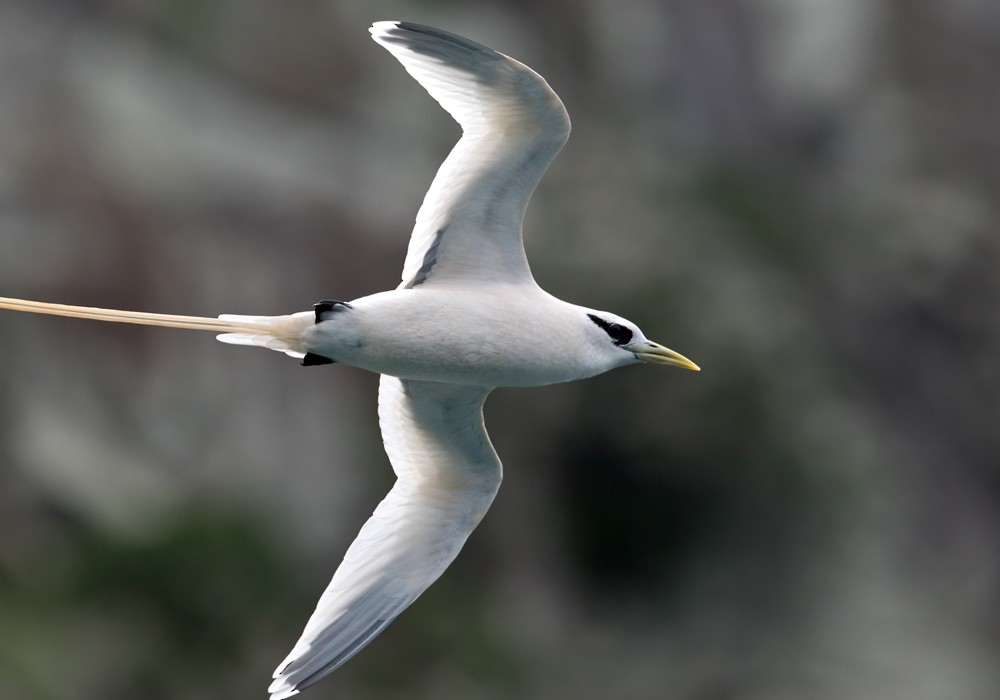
(468, 317)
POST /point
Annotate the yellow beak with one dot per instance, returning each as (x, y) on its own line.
(654, 353)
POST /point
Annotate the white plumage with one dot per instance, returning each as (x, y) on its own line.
(466, 318)
(447, 475)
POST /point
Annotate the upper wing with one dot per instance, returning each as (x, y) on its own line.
(469, 226)
(447, 475)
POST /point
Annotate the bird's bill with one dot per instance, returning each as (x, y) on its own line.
(654, 353)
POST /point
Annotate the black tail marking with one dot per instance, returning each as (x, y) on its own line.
(311, 359)
(328, 306)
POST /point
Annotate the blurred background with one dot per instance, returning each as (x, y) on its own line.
(800, 195)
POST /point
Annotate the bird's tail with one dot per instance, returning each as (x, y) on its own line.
(282, 333)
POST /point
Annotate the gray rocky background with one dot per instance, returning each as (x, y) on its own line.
(800, 195)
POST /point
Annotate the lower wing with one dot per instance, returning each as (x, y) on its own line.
(448, 474)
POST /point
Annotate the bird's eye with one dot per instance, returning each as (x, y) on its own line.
(617, 332)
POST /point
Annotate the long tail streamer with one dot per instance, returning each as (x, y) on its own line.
(282, 333)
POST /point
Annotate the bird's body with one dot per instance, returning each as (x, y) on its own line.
(410, 334)
(467, 317)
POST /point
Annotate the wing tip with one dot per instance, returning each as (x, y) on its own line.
(280, 689)
(382, 27)
(423, 39)
(282, 686)
(392, 31)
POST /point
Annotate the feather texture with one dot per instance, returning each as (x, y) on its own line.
(469, 226)
(447, 475)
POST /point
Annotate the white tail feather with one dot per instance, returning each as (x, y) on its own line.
(282, 333)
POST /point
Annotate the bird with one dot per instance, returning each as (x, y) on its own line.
(466, 318)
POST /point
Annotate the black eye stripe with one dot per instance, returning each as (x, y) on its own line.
(617, 332)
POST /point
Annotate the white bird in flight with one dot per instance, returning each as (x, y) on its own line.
(468, 317)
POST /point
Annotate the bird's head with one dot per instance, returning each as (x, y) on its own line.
(623, 343)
